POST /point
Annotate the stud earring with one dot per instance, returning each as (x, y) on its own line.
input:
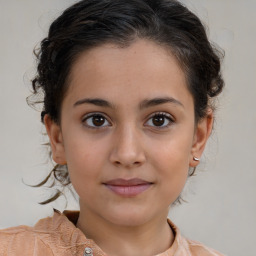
(196, 159)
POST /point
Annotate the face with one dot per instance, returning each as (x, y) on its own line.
(128, 132)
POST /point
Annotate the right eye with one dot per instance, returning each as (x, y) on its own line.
(95, 121)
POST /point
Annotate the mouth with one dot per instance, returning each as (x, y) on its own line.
(128, 188)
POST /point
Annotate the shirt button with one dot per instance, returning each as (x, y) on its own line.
(88, 251)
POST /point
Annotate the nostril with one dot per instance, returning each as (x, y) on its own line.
(117, 163)
(127, 156)
(127, 164)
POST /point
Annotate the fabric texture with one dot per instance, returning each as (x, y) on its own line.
(58, 236)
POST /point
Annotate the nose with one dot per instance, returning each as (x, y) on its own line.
(127, 150)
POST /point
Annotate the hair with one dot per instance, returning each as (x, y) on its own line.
(91, 23)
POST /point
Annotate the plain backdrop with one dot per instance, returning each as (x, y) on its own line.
(221, 208)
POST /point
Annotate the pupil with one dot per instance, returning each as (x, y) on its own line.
(158, 120)
(98, 120)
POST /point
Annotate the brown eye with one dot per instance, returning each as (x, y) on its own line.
(158, 120)
(98, 120)
(95, 121)
(161, 120)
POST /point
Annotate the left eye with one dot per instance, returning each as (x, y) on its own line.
(160, 120)
(95, 121)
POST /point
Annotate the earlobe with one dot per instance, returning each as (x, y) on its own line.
(202, 132)
(56, 140)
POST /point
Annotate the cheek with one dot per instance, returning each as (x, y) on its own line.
(172, 166)
(171, 162)
(172, 177)
(84, 174)
(85, 158)
(173, 152)
(83, 149)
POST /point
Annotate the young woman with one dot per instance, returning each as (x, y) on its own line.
(128, 107)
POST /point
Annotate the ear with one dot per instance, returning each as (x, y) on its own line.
(202, 132)
(56, 140)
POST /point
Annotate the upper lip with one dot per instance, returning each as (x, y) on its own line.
(127, 182)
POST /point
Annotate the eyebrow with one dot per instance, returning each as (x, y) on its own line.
(96, 102)
(144, 104)
(158, 101)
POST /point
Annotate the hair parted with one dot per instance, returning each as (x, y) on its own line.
(91, 23)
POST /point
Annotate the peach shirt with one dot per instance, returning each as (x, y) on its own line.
(58, 236)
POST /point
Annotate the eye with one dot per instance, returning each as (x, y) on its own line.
(95, 120)
(160, 120)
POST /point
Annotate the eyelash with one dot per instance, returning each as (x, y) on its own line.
(91, 115)
(164, 115)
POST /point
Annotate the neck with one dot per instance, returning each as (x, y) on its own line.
(149, 238)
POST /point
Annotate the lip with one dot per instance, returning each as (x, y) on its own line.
(128, 188)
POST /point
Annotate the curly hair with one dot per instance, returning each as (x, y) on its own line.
(91, 23)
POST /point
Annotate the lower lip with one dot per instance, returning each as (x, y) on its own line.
(129, 191)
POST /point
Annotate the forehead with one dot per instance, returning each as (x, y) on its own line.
(142, 69)
(135, 53)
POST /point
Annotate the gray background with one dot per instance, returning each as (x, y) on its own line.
(221, 208)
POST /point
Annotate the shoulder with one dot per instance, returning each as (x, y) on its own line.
(25, 240)
(197, 248)
(9, 234)
(56, 235)
(20, 240)
(186, 247)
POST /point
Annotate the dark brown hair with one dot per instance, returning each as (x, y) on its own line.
(91, 23)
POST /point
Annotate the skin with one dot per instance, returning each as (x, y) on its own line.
(128, 144)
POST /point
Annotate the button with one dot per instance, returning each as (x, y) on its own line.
(88, 251)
